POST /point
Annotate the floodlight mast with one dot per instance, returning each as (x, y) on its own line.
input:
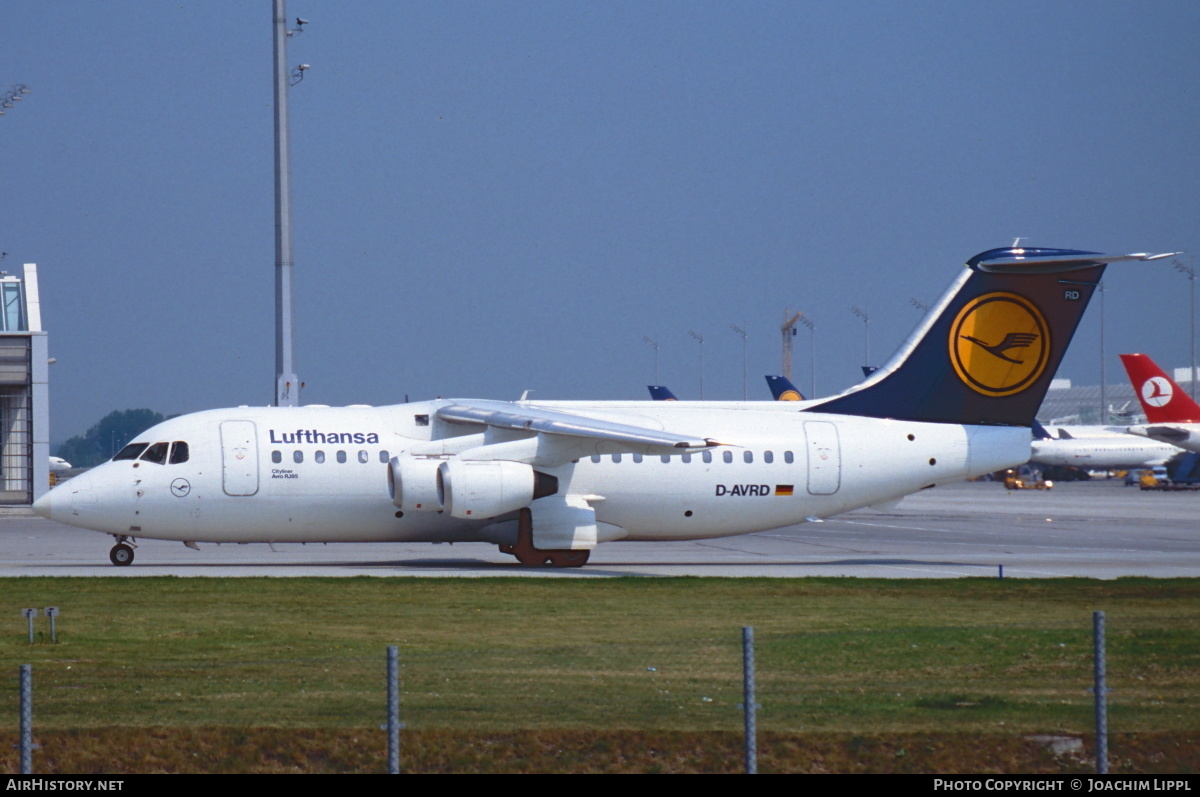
(287, 386)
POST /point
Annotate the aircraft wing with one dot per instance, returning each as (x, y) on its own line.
(1158, 431)
(505, 415)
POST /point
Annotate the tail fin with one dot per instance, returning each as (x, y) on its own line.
(1162, 399)
(661, 393)
(782, 389)
(986, 352)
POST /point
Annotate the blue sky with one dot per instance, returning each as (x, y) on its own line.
(490, 197)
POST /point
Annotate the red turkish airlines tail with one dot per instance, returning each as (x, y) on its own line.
(1163, 401)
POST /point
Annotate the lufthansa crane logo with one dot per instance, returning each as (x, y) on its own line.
(789, 395)
(999, 344)
(1156, 391)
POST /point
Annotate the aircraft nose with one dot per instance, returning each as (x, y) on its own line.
(43, 506)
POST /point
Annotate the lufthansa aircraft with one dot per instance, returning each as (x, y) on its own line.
(549, 480)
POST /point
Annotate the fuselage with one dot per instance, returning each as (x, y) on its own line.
(321, 474)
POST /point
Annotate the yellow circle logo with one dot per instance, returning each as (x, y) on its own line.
(999, 344)
(789, 395)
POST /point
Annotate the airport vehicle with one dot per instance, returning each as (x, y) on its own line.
(1171, 415)
(782, 389)
(549, 480)
(1024, 478)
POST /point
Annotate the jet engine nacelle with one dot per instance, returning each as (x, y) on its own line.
(484, 489)
(413, 483)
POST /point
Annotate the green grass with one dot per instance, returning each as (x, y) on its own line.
(840, 656)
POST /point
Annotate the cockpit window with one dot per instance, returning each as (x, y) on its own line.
(179, 452)
(156, 453)
(131, 451)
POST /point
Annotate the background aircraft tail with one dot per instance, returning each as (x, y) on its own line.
(986, 352)
(782, 389)
(1162, 399)
(661, 393)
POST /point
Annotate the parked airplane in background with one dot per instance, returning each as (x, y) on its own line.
(1098, 448)
(661, 393)
(782, 389)
(1172, 417)
(549, 480)
(58, 465)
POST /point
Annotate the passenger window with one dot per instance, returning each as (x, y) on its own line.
(131, 451)
(687, 457)
(637, 457)
(383, 457)
(595, 457)
(747, 457)
(297, 456)
(341, 456)
(319, 457)
(362, 457)
(616, 457)
(727, 456)
(665, 458)
(276, 457)
(787, 457)
(706, 456)
(768, 457)
(156, 453)
(179, 453)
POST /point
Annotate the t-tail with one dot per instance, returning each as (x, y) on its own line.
(1162, 399)
(986, 352)
(782, 389)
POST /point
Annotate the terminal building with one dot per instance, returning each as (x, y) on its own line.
(1081, 405)
(24, 391)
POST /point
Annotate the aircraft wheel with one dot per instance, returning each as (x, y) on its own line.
(569, 558)
(121, 555)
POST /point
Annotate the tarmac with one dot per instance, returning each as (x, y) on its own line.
(1097, 529)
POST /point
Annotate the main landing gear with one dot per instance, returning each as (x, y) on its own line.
(528, 555)
(121, 554)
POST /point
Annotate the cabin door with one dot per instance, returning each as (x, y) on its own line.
(824, 457)
(239, 458)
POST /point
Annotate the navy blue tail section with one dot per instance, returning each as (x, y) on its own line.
(782, 389)
(985, 354)
(661, 393)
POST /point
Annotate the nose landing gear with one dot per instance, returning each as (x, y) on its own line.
(121, 554)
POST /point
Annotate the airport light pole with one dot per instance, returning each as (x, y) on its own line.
(867, 327)
(287, 385)
(700, 338)
(653, 343)
(812, 337)
(745, 388)
(1190, 272)
(1103, 365)
(14, 94)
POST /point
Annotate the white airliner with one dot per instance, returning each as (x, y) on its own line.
(59, 465)
(1171, 414)
(1117, 450)
(548, 481)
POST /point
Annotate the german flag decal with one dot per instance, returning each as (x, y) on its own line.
(783, 489)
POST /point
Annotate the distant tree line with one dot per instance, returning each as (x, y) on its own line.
(107, 437)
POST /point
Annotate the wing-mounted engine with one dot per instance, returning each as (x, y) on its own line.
(484, 489)
(413, 483)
